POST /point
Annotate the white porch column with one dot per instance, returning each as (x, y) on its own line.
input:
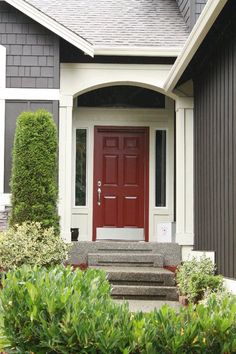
(184, 172)
(65, 165)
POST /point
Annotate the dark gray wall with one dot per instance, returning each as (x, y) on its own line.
(215, 149)
(32, 50)
(191, 10)
(13, 109)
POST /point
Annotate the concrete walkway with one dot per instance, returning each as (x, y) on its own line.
(147, 305)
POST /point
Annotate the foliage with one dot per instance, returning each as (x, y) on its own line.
(34, 170)
(29, 243)
(195, 277)
(49, 311)
(60, 311)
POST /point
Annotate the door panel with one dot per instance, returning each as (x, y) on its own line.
(120, 179)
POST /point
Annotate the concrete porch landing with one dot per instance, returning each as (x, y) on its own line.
(169, 252)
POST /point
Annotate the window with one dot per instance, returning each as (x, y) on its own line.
(160, 168)
(80, 169)
(122, 96)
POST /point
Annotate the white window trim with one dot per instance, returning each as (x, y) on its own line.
(74, 206)
(166, 207)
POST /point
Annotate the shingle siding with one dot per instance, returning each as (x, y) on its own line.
(199, 6)
(32, 51)
(184, 6)
(191, 10)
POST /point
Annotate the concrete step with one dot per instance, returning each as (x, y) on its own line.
(125, 259)
(139, 276)
(144, 292)
(119, 246)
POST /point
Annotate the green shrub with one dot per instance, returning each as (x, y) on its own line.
(196, 329)
(60, 311)
(31, 244)
(195, 277)
(34, 170)
(49, 311)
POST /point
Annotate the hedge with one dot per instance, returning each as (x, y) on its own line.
(60, 311)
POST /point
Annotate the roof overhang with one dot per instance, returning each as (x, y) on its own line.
(53, 25)
(138, 51)
(207, 18)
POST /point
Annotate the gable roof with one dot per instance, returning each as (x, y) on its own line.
(204, 23)
(116, 23)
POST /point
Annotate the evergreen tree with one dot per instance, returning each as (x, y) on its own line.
(34, 171)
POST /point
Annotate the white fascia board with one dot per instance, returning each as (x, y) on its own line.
(53, 25)
(29, 94)
(204, 23)
(138, 51)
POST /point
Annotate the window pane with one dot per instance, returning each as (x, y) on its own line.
(80, 173)
(160, 168)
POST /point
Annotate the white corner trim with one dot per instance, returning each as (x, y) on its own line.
(230, 285)
(52, 25)
(2, 67)
(199, 254)
(138, 51)
(29, 94)
(5, 200)
(204, 23)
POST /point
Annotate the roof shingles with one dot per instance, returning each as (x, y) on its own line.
(116, 23)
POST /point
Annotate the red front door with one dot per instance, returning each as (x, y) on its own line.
(120, 179)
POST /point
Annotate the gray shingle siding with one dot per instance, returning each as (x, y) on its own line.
(32, 51)
(184, 6)
(199, 7)
(191, 10)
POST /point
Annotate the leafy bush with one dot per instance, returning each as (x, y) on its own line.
(195, 277)
(29, 243)
(34, 171)
(60, 311)
(49, 311)
(196, 329)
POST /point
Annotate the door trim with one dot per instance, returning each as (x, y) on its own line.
(123, 129)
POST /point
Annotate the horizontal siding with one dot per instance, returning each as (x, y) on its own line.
(13, 110)
(215, 157)
(32, 51)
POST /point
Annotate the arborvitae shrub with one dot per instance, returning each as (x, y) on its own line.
(34, 171)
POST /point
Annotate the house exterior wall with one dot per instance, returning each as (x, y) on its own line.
(13, 109)
(184, 6)
(32, 51)
(191, 10)
(215, 155)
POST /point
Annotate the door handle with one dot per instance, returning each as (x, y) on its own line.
(99, 196)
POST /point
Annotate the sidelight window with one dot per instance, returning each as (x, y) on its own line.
(160, 180)
(80, 168)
